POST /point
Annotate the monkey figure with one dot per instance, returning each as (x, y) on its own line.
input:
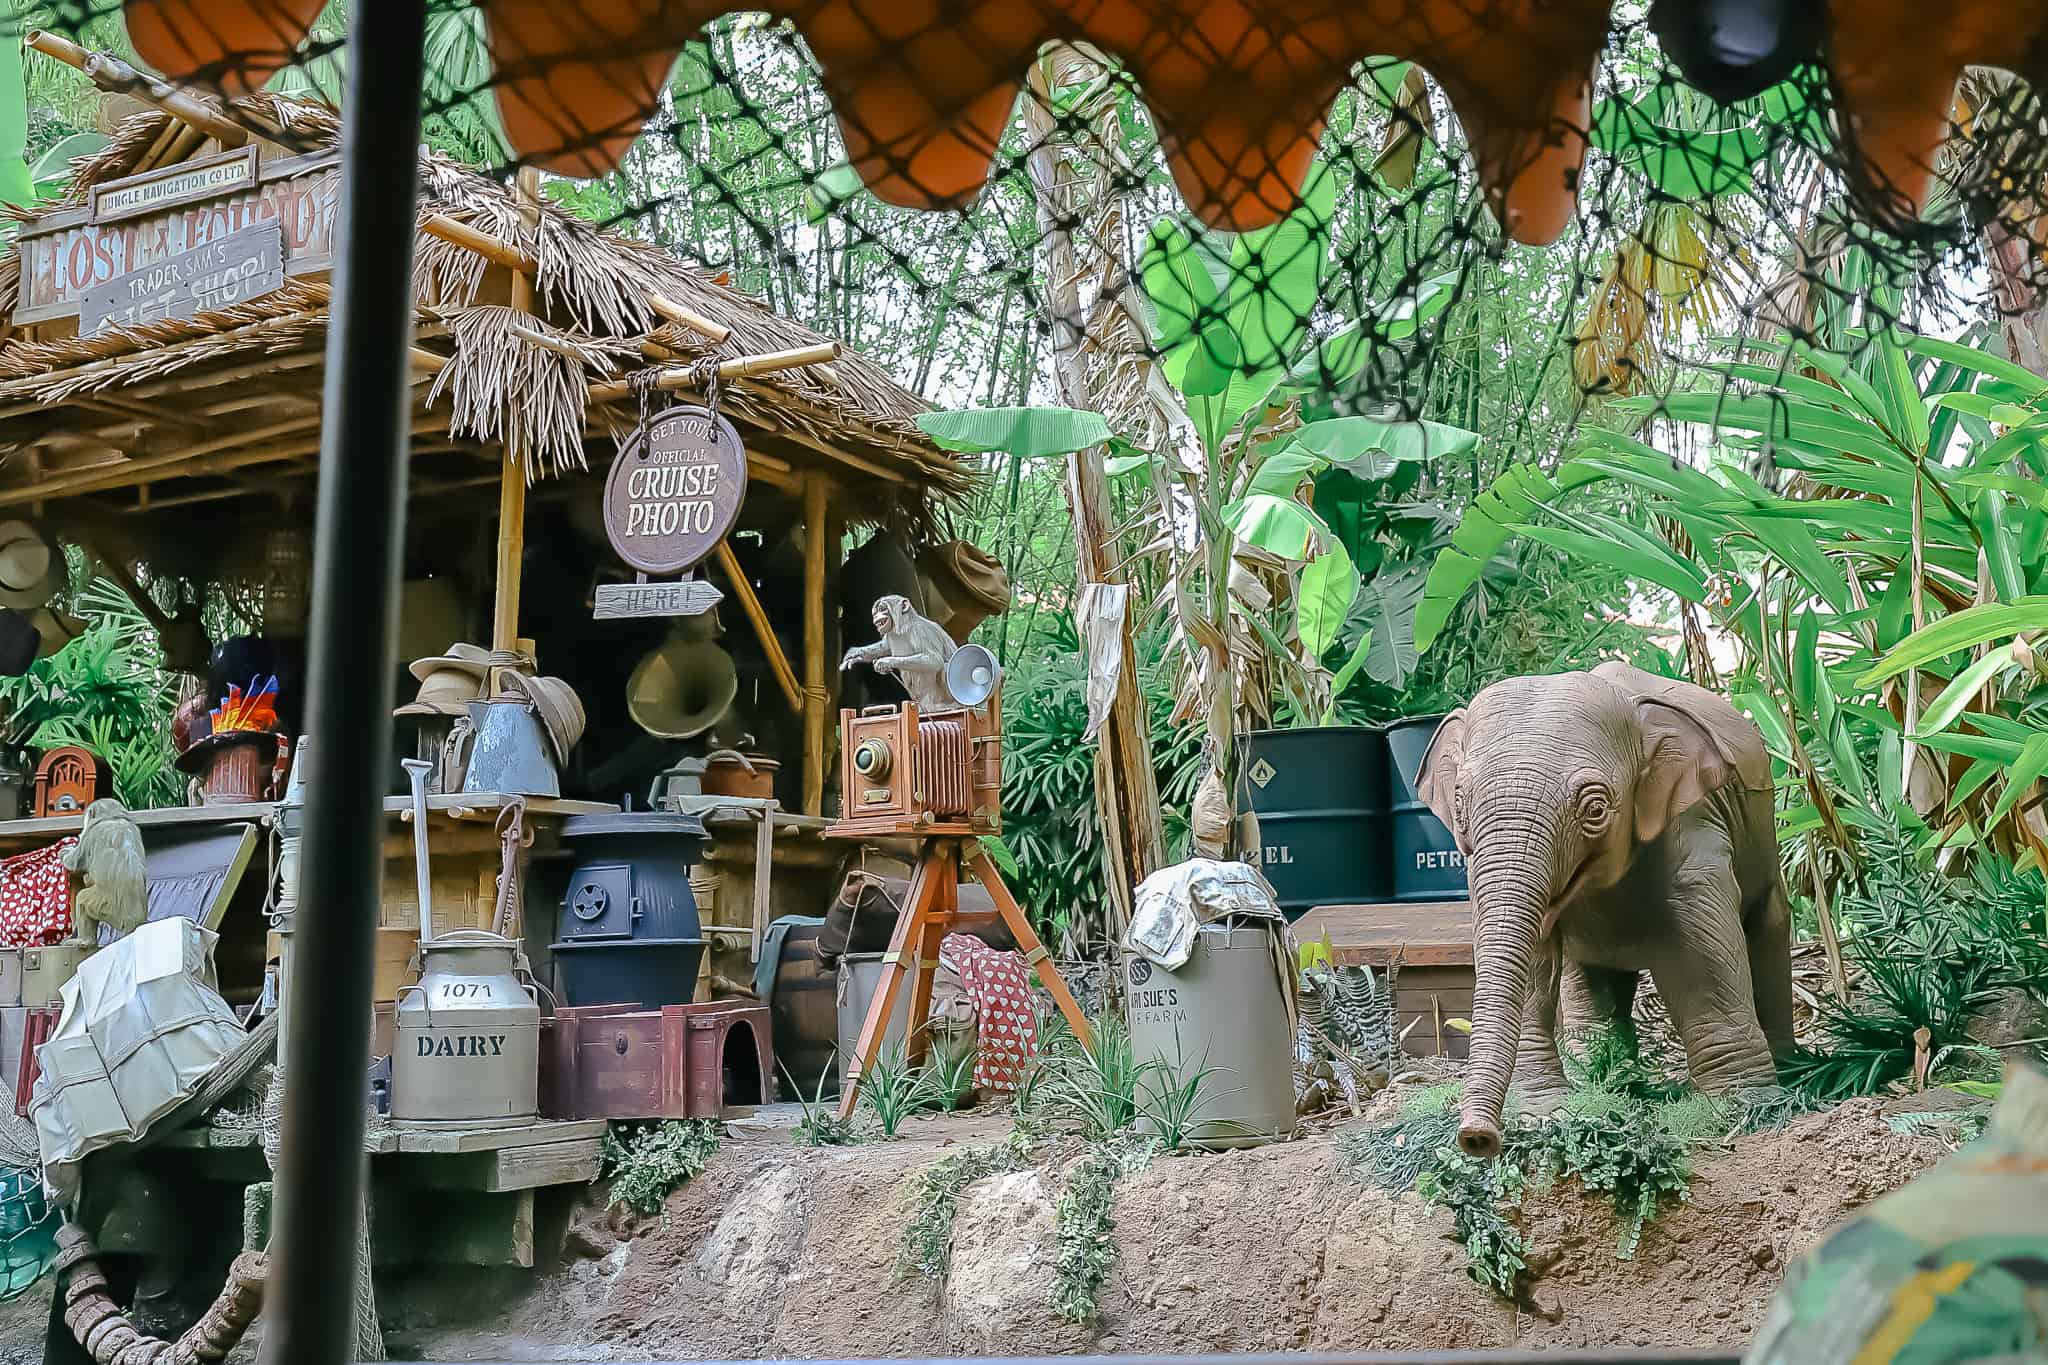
(913, 648)
(108, 873)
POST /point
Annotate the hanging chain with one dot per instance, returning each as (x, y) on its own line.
(705, 374)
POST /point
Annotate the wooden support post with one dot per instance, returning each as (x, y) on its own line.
(512, 470)
(817, 538)
(778, 662)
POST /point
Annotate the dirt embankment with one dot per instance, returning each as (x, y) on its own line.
(785, 1251)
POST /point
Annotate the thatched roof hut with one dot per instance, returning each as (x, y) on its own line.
(157, 424)
(490, 379)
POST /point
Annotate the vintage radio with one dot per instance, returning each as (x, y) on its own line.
(902, 770)
(69, 779)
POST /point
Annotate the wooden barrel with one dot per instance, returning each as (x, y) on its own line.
(802, 1000)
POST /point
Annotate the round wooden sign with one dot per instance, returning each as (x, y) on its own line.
(674, 490)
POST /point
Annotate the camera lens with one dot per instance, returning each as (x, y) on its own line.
(871, 759)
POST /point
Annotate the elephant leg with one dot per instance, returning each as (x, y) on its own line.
(1539, 1070)
(1705, 981)
(1770, 967)
(1592, 999)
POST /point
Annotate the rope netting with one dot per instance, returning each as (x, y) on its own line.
(1389, 285)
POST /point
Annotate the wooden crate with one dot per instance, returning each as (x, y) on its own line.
(622, 1062)
(393, 971)
(1428, 948)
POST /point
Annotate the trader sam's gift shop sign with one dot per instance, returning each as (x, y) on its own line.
(168, 244)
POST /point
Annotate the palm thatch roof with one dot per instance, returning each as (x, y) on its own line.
(491, 376)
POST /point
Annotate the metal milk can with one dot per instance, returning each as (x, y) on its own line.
(468, 1049)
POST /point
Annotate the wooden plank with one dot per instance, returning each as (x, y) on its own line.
(1445, 926)
(445, 1140)
(550, 1163)
(764, 872)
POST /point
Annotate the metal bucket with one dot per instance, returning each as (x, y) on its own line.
(859, 977)
(1221, 1017)
(1320, 795)
(1427, 863)
(468, 1049)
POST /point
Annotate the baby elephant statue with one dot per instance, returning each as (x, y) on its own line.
(1613, 822)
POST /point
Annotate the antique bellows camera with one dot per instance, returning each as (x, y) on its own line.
(906, 771)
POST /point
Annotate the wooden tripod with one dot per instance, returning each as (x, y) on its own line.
(932, 912)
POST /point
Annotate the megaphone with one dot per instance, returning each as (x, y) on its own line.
(971, 675)
(681, 688)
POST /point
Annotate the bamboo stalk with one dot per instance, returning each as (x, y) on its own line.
(740, 367)
(490, 247)
(816, 534)
(778, 662)
(111, 73)
(512, 471)
(663, 306)
(541, 339)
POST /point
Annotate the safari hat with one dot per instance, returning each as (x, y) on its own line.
(445, 691)
(559, 708)
(467, 658)
(29, 565)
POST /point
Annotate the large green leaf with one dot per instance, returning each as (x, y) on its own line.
(1389, 605)
(1328, 585)
(1667, 571)
(1370, 446)
(1964, 629)
(1956, 697)
(1412, 308)
(1276, 276)
(1277, 525)
(1979, 361)
(1482, 533)
(2026, 769)
(17, 187)
(1359, 653)
(1027, 433)
(1198, 350)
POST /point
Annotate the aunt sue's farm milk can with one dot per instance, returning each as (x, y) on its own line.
(468, 1050)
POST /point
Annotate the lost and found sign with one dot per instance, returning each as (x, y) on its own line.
(672, 494)
(219, 274)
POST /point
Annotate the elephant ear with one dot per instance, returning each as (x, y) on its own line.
(1438, 781)
(1683, 761)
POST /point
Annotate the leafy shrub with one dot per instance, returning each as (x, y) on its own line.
(99, 692)
(928, 1236)
(647, 1162)
(893, 1090)
(1084, 1228)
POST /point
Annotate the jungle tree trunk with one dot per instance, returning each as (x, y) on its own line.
(1510, 894)
(1126, 787)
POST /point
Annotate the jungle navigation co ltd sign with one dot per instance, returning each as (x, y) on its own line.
(674, 491)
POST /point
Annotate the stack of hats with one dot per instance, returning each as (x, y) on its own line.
(450, 681)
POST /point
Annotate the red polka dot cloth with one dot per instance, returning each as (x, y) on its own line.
(35, 897)
(999, 984)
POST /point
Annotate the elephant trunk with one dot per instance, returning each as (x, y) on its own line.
(1511, 891)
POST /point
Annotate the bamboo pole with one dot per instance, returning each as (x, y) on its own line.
(740, 367)
(817, 533)
(715, 333)
(778, 662)
(512, 471)
(111, 73)
(492, 248)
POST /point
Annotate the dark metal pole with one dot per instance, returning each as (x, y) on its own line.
(357, 545)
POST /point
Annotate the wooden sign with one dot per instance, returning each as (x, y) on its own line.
(64, 255)
(682, 597)
(229, 270)
(186, 183)
(674, 490)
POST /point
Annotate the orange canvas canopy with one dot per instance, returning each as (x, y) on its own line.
(1239, 88)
